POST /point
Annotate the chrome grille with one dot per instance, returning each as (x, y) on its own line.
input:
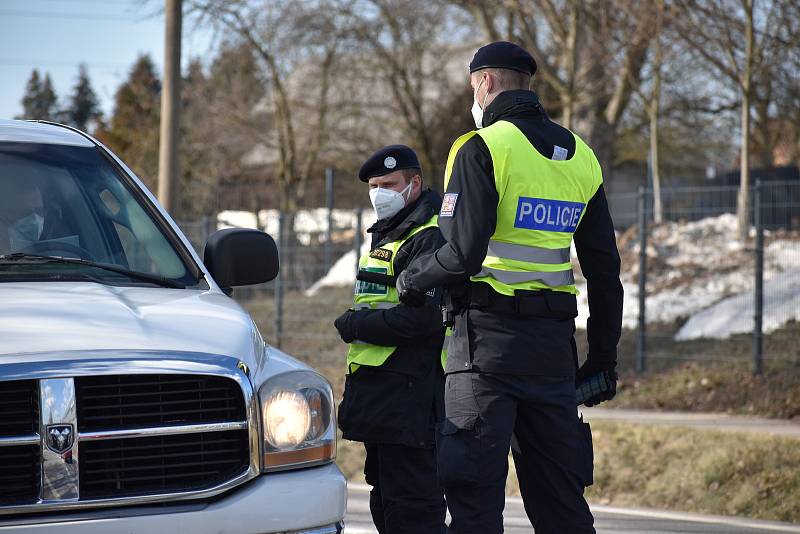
(19, 408)
(125, 438)
(121, 467)
(121, 402)
(20, 474)
(20, 462)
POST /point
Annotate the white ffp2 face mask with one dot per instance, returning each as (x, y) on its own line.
(25, 231)
(388, 202)
(477, 109)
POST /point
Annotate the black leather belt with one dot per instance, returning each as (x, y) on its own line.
(541, 303)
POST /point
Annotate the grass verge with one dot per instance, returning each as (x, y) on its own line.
(728, 387)
(697, 471)
(677, 469)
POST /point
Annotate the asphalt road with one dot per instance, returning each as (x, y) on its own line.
(608, 520)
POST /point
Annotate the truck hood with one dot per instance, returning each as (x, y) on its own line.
(56, 317)
(48, 321)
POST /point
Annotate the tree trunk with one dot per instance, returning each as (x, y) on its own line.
(570, 62)
(742, 209)
(658, 215)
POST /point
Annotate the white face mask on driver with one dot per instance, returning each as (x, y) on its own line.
(25, 231)
(388, 202)
(477, 109)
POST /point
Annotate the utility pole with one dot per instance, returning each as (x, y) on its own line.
(168, 162)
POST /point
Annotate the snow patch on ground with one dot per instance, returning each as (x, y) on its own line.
(700, 272)
(734, 315)
(341, 274)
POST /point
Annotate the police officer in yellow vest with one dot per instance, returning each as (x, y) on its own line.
(395, 381)
(519, 191)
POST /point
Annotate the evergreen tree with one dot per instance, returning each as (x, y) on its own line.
(47, 100)
(219, 124)
(39, 100)
(133, 130)
(83, 106)
(29, 99)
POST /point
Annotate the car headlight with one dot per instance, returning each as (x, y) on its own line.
(298, 424)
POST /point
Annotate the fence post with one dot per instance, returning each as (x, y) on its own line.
(357, 237)
(758, 294)
(279, 280)
(329, 203)
(641, 332)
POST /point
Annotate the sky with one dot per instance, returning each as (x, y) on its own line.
(55, 36)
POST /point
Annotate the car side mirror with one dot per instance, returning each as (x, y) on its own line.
(241, 257)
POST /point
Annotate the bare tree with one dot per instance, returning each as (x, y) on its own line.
(776, 78)
(590, 54)
(219, 130)
(297, 43)
(413, 63)
(731, 36)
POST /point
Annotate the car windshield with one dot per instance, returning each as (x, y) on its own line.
(70, 202)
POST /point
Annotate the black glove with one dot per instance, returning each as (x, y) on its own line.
(407, 293)
(346, 325)
(590, 369)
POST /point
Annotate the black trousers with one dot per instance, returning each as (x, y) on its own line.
(535, 416)
(405, 497)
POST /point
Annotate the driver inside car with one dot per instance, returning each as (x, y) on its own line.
(22, 214)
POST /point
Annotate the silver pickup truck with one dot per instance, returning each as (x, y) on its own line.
(135, 395)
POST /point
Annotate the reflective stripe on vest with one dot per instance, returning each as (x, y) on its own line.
(541, 204)
(378, 297)
(512, 251)
(554, 279)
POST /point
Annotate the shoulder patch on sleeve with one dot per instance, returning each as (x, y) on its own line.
(448, 205)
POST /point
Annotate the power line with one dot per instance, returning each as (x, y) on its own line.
(24, 62)
(73, 16)
(101, 2)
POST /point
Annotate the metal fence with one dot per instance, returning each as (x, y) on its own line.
(704, 294)
(694, 290)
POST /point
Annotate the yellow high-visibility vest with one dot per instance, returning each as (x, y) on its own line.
(379, 297)
(542, 201)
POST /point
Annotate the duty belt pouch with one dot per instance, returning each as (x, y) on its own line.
(561, 305)
(530, 303)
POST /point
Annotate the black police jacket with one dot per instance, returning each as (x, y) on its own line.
(508, 344)
(400, 401)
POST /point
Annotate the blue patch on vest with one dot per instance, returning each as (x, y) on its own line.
(548, 215)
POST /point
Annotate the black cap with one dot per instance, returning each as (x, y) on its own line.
(503, 55)
(388, 159)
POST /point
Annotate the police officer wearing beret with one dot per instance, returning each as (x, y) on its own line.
(395, 381)
(519, 191)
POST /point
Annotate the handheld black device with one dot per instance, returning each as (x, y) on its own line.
(594, 385)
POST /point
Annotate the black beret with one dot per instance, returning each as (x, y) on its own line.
(388, 159)
(503, 55)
